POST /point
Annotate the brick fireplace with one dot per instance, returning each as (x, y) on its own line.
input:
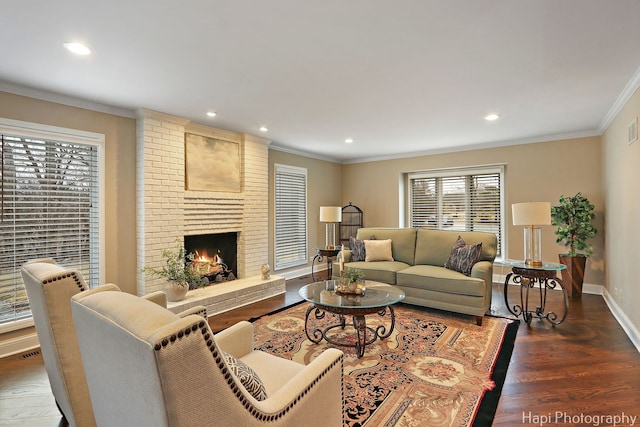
(167, 212)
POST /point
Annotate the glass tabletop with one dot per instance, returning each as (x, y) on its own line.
(376, 294)
(545, 265)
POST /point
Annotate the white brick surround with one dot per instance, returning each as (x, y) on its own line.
(166, 211)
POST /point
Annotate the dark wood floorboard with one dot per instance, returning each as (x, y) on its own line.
(587, 365)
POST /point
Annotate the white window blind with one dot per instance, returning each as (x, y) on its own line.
(49, 192)
(464, 200)
(291, 216)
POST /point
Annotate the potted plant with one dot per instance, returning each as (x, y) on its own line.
(573, 218)
(178, 271)
(351, 277)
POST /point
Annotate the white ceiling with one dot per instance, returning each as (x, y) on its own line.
(399, 77)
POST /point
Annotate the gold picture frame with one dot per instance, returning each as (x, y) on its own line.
(211, 164)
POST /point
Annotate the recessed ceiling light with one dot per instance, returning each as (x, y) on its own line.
(263, 129)
(492, 117)
(349, 140)
(77, 48)
(211, 113)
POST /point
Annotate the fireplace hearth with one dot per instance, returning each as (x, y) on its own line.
(215, 255)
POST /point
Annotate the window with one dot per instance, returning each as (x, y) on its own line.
(49, 192)
(459, 199)
(291, 216)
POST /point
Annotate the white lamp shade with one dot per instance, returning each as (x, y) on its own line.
(531, 213)
(330, 214)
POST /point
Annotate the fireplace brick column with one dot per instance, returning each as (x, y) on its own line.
(254, 240)
(159, 190)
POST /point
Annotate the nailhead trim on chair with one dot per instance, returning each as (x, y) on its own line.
(259, 415)
(65, 276)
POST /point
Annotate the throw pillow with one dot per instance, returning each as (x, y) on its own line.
(463, 256)
(247, 376)
(378, 250)
(357, 249)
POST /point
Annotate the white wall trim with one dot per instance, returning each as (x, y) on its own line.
(19, 345)
(632, 332)
(632, 85)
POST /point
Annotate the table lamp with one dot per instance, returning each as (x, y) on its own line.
(532, 215)
(330, 215)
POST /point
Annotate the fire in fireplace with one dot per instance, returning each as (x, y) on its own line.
(215, 255)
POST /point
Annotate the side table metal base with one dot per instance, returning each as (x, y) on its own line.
(528, 279)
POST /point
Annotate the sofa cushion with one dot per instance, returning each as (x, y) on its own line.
(403, 241)
(381, 271)
(440, 279)
(433, 247)
(378, 250)
(463, 256)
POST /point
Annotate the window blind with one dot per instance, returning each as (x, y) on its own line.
(458, 200)
(49, 195)
(291, 216)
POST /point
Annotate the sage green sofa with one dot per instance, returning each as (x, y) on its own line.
(418, 268)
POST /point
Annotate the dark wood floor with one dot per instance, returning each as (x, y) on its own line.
(586, 366)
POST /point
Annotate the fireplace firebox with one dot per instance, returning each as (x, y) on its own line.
(215, 255)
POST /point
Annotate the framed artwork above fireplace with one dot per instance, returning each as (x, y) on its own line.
(211, 164)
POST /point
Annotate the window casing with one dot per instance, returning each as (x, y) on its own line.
(290, 216)
(459, 199)
(50, 196)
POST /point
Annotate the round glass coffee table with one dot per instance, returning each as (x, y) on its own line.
(377, 298)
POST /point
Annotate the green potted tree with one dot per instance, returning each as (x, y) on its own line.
(178, 271)
(573, 218)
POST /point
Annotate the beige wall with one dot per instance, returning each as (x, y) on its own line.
(120, 178)
(621, 177)
(533, 172)
(324, 181)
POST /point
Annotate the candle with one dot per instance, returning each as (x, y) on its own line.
(342, 260)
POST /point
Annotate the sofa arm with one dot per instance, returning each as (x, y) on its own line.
(484, 270)
(157, 297)
(237, 340)
(199, 310)
(347, 255)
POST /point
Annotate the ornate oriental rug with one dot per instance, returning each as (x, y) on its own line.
(434, 370)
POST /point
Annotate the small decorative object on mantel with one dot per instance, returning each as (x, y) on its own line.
(179, 272)
(265, 272)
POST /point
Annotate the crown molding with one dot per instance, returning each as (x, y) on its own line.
(480, 146)
(65, 100)
(304, 154)
(621, 101)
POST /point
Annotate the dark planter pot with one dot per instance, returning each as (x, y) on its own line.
(573, 276)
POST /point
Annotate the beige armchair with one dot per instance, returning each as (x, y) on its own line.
(148, 367)
(50, 288)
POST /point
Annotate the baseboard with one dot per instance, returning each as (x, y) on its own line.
(19, 344)
(629, 328)
(306, 271)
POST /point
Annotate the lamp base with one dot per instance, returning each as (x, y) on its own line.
(532, 246)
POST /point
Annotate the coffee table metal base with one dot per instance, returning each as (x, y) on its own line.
(359, 323)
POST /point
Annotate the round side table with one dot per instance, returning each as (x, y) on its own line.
(544, 278)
